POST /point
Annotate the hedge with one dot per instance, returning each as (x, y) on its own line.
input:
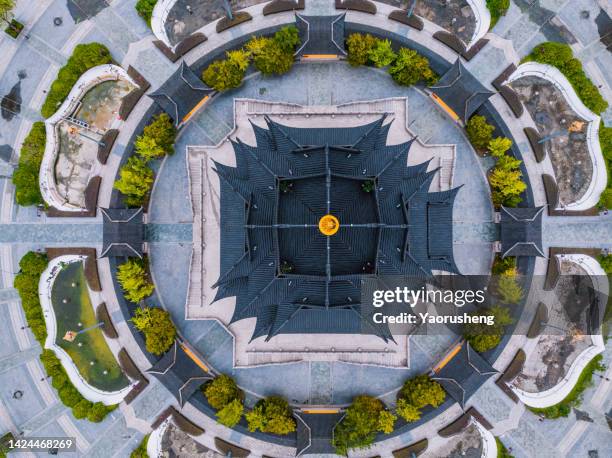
(68, 394)
(26, 282)
(84, 57)
(574, 398)
(560, 55)
(25, 176)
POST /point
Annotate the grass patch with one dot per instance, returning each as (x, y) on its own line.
(497, 8)
(145, 10)
(141, 450)
(502, 451)
(605, 141)
(89, 346)
(84, 57)
(574, 398)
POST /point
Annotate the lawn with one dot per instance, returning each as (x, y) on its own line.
(72, 305)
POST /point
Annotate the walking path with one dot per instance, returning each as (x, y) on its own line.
(577, 232)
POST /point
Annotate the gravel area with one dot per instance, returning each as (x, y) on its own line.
(566, 146)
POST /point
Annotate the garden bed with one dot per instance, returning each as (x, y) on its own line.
(14, 28)
(74, 312)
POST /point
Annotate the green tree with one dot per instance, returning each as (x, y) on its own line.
(381, 53)
(421, 391)
(134, 280)
(407, 411)
(479, 132)
(358, 47)
(506, 186)
(386, 422)
(221, 391)
(288, 38)
(228, 73)
(135, 182)
(508, 287)
(162, 130)
(157, 327)
(498, 146)
(6, 6)
(483, 337)
(148, 148)
(269, 56)
(145, 9)
(271, 415)
(365, 417)
(231, 413)
(25, 176)
(410, 67)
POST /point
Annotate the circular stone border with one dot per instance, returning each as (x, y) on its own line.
(439, 57)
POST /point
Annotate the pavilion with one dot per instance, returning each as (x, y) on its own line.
(180, 373)
(459, 93)
(122, 232)
(521, 231)
(279, 264)
(321, 36)
(462, 372)
(181, 94)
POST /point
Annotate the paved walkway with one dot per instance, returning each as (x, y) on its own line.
(578, 232)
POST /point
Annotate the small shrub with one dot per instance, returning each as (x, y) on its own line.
(157, 326)
(221, 391)
(288, 38)
(226, 74)
(81, 410)
(98, 412)
(84, 57)
(483, 337)
(381, 53)
(69, 395)
(407, 411)
(157, 138)
(358, 48)
(231, 413)
(134, 280)
(269, 57)
(25, 176)
(271, 415)
(508, 288)
(421, 391)
(479, 132)
(135, 182)
(14, 28)
(145, 9)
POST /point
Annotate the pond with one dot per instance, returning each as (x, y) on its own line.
(74, 312)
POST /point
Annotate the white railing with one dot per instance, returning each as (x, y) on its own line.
(45, 287)
(154, 445)
(158, 19)
(560, 391)
(489, 445)
(88, 80)
(483, 20)
(600, 175)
